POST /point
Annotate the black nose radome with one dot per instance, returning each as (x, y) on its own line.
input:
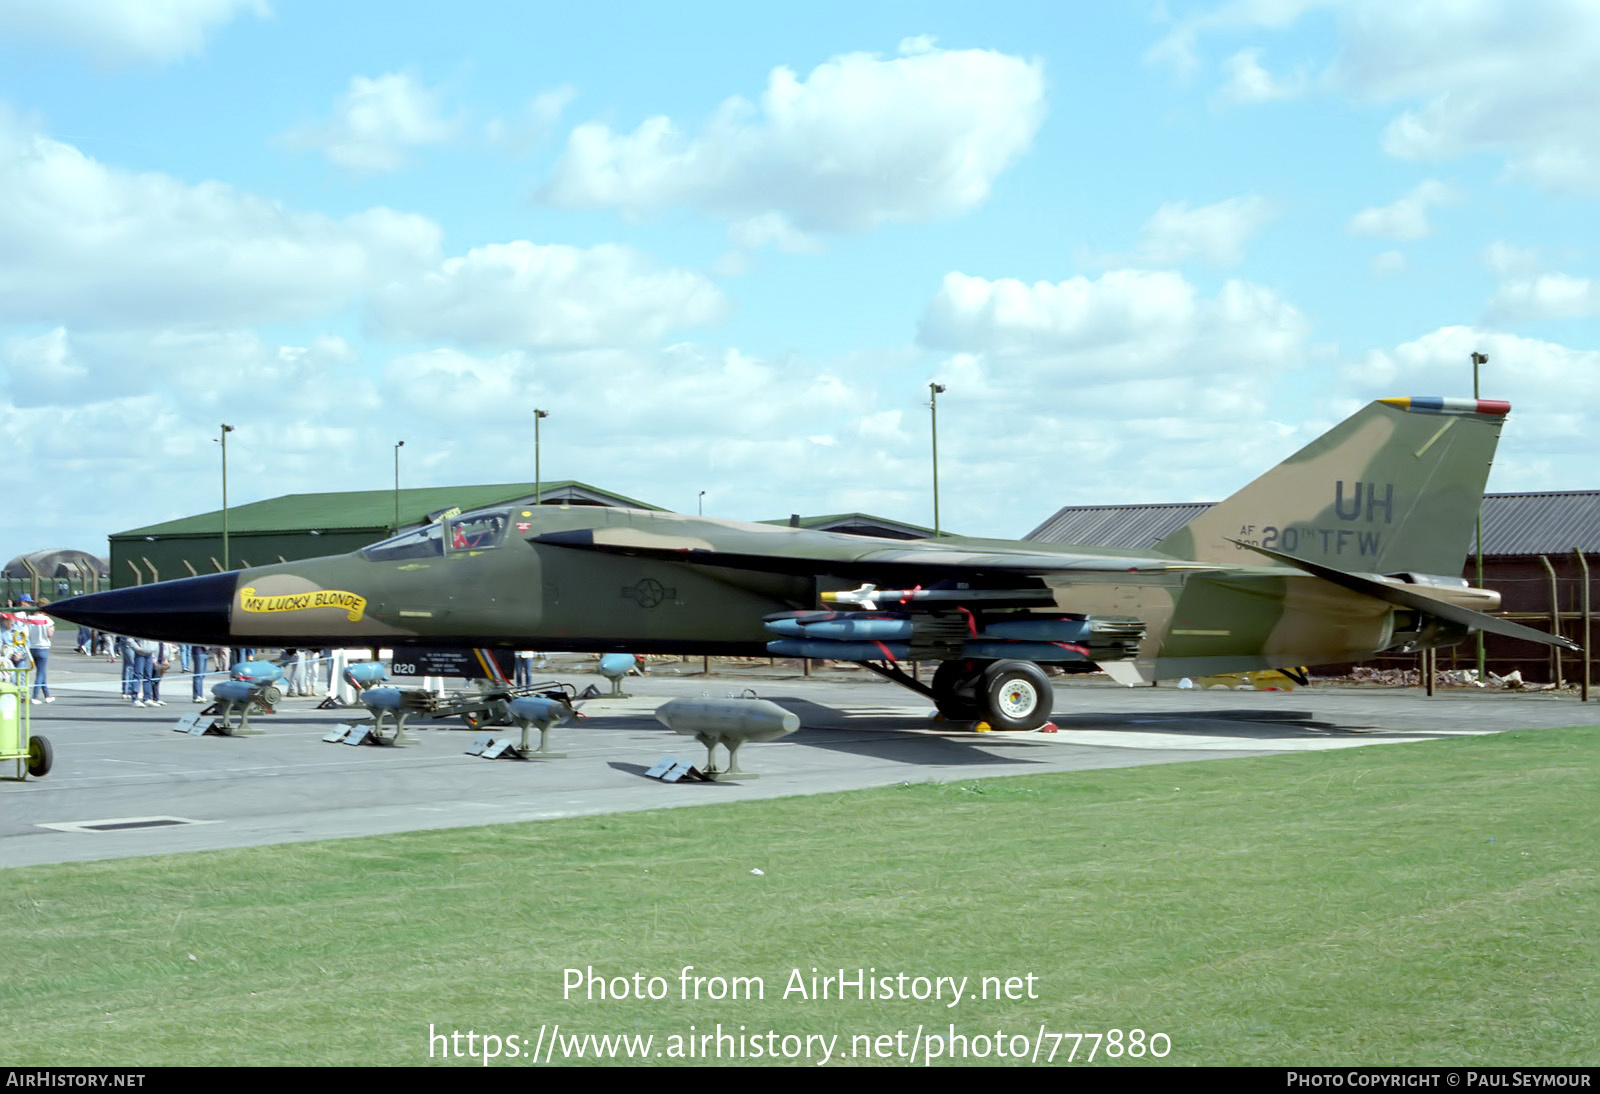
(190, 609)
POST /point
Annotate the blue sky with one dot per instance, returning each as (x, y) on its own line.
(1149, 249)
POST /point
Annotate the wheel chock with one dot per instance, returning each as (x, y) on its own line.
(503, 748)
(194, 725)
(670, 769)
(203, 725)
(359, 733)
(494, 748)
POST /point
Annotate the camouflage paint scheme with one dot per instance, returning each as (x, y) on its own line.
(1325, 558)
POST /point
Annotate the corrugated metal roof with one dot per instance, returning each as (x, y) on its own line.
(1546, 523)
(365, 510)
(1542, 523)
(1134, 526)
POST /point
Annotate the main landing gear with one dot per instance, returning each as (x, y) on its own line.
(1014, 695)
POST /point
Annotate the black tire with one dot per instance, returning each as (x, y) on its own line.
(1017, 695)
(953, 675)
(41, 757)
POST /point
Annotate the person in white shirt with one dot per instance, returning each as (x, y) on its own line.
(40, 629)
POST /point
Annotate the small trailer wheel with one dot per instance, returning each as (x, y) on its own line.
(41, 757)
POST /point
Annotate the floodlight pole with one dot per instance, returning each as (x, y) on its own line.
(398, 445)
(1479, 359)
(1583, 568)
(933, 391)
(702, 503)
(226, 429)
(538, 481)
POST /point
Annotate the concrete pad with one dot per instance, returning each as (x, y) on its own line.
(118, 767)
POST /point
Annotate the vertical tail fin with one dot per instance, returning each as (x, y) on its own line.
(1394, 488)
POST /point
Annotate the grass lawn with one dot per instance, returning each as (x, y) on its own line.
(1424, 904)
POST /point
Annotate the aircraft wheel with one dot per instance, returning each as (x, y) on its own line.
(1018, 695)
(41, 757)
(950, 677)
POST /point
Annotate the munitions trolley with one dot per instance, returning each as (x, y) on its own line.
(32, 753)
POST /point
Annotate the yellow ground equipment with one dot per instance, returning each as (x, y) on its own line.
(32, 754)
(1259, 680)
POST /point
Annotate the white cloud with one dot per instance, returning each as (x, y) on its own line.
(92, 246)
(457, 385)
(1214, 234)
(1528, 291)
(766, 229)
(117, 32)
(1078, 383)
(1549, 440)
(127, 422)
(723, 394)
(1388, 264)
(1248, 82)
(1406, 218)
(200, 371)
(860, 142)
(1125, 325)
(749, 429)
(1029, 440)
(1471, 76)
(1548, 296)
(43, 370)
(522, 294)
(1178, 49)
(376, 123)
(1507, 260)
(1514, 79)
(884, 425)
(1009, 317)
(537, 118)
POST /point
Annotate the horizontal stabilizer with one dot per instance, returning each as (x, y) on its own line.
(1410, 598)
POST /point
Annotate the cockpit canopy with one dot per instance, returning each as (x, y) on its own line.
(475, 531)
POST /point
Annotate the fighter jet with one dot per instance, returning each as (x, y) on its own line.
(1350, 547)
